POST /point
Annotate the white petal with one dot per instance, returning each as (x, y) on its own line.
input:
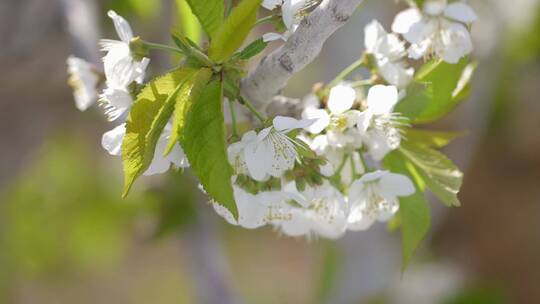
(460, 11)
(419, 50)
(394, 184)
(251, 214)
(84, 82)
(434, 7)
(327, 169)
(395, 73)
(457, 42)
(225, 213)
(122, 27)
(289, 11)
(286, 124)
(321, 117)
(422, 30)
(112, 140)
(372, 33)
(341, 98)
(269, 37)
(364, 120)
(298, 224)
(258, 159)
(271, 4)
(178, 157)
(160, 164)
(405, 19)
(358, 220)
(382, 99)
(378, 144)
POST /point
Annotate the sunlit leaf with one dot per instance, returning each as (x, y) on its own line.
(440, 174)
(434, 92)
(234, 31)
(189, 92)
(414, 211)
(203, 140)
(188, 21)
(435, 139)
(210, 14)
(147, 119)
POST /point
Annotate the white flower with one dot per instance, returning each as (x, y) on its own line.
(112, 143)
(269, 153)
(438, 29)
(388, 51)
(84, 80)
(121, 69)
(254, 211)
(379, 126)
(319, 211)
(340, 99)
(291, 12)
(374, 197)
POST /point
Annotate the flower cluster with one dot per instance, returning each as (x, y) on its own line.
(319, 174)
(333, 190)
(124, 73)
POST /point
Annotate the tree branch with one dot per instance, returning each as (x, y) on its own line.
(304, 45)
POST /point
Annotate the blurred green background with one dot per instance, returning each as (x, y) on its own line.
(66, 236)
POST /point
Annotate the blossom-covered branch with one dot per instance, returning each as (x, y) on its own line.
(302, 47)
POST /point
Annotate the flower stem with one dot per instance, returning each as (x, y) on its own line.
(162, 47)
(252, 109)
(361, 83)
(347, 71)
(265, 19)
(192, 52)
(233, 118)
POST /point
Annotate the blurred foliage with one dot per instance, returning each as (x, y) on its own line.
(478, 295)
(523, 49)
(64, 215)
(187, 22)
(331, 263)
(145, 9)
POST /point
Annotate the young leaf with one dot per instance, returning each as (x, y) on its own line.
(189, 92)
(436, 99)
(210, 14)
(440, 174)
(414, 212)
(234, 31)
(149, 115)
(204, 142)
(434, 139)
(252, 49)
(419, 3)
(188, 21)
(415, 216)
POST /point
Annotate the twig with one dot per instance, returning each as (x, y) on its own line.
(304, 45)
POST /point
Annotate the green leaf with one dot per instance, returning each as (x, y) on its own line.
(434, 139)
(149, 115)
(419, 3)
(210, 14)
(188, 21)
(204, 142)
(440, 174)
(252, 49)
(415, 216)
(189, 92)
(234, 31)
(431, 96)
(463, 88)
(414, 211)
